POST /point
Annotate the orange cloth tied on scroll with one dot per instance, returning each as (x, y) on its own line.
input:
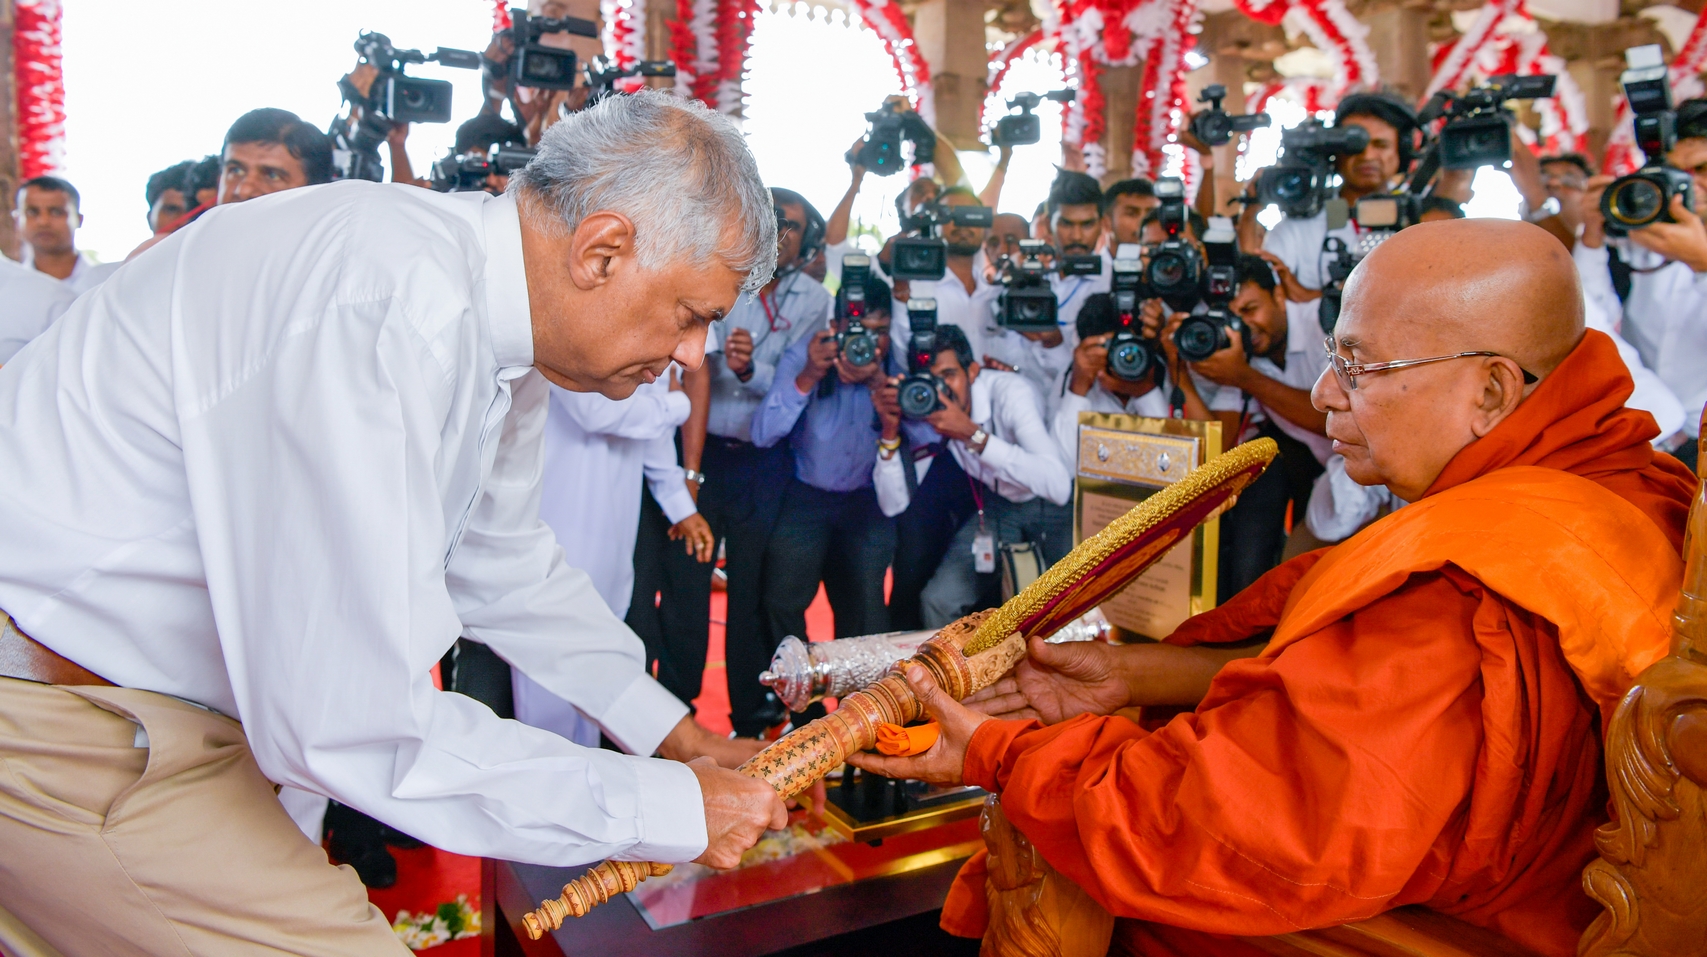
(894, 740)
(1422, 726)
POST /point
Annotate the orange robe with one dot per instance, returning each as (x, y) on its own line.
(1424, 724)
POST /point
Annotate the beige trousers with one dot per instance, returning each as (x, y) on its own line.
(177, 847)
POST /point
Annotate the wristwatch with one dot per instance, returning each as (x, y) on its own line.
(978, 440)
(697, 478)
(1549, 208)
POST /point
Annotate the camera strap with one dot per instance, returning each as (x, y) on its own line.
(983, 543)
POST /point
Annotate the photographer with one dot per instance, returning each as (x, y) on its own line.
(995, 434)
(270, 150)
(963, 298)
(830, 528)
(1091, 387)
(743, 483)
(1664, 309)
(1124, 207)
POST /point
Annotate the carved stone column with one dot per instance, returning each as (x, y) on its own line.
(1120, 101)
(8, 134)
(1398, 36)
(950, 35)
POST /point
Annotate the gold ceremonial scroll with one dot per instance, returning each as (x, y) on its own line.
(964, 657)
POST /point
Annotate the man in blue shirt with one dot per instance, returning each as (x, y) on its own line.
(830, 528)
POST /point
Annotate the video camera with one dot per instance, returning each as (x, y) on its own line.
(467, 172)
(1215, 126)
(857, 346)
(534, 64)
(1201, 336)
(394, 97)
(1131, 356)
(1028, 301)
(603, 74)
(1300, 183)
(1478, 126)
(1175, 264)
(1644, 197)
(920, 391)
(1025, 127)
(890, 124)
(925, 257)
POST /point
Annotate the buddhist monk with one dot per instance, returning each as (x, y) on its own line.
(1411, 717)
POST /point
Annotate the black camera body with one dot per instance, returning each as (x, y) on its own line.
(920, 392)
(1175, 267)
(467, 172)
(856, 345)
(1131, 356)
(602, 75)
(1477, 131)
(1027, 302)
(925, 257)
(533, 63)
(401, 98)
(1300, 183)
(1339, 267)
(891, 124)
(1644, 197)
(1025, 127)
(1201, 336)
(1215, 126)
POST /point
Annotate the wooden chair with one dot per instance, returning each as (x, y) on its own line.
(1651, 876)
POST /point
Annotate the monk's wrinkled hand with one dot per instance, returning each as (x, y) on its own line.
(1069, 679)
(945, 762)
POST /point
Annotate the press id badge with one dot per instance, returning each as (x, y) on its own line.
(984, 552)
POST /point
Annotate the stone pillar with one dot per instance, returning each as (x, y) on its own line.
(1120, 103)
(950, 35)
(8, 135)
(1398, 36)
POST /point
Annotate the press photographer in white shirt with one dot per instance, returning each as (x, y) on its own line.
(991, 425)
(258, 482)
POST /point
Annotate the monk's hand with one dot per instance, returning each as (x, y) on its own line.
(1683, 240)
(945, 762)
(1069, 679)
(738, 811)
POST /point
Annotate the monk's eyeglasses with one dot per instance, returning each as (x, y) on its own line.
(1347, 371)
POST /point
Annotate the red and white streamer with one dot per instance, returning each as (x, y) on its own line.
(624, 38)
(1622, 154)
(40, 86)
(889, 22)
(1334, 31)
(693, 47)
(1505, 39)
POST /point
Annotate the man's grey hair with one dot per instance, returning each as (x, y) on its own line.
(680, 172)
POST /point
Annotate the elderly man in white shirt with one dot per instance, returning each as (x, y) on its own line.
(29, 303)
(256, 484)
(992, 426)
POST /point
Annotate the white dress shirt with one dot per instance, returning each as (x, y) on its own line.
(1019, 461)
(29, 302)
(800, 307)
(1661, 332)
(1298, 243)
(1065, 427)
(974, 312)
(278, 464)
(1306, 360)
(1045, 367)
(85, 273)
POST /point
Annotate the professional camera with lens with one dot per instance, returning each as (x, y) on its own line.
(1339, 265)
(394, 97)
(1302, 181)
(856, 345)
(1478, 125)
(467, 172)
(924, 256)
(534, 64)
(1644, 197)
(1028, 301)
(1131, 356)
(1215, 126)
(1201, 336)
(891, 124)
(603, 75)
(1175, 266)
(1025, 127)
(920, 390)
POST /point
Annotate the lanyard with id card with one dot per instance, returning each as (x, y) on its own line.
(983, 543)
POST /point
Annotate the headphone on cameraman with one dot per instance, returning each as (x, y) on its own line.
(811, 236)
(1389, 108)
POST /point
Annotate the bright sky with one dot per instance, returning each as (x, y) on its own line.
(140, 95)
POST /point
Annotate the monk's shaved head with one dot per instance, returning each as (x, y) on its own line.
(1438, 289)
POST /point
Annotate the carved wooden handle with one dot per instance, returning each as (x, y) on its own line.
(798, 759)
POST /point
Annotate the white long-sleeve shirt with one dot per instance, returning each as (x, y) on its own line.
(1019, 461)
(278, 464)
(1661, 333)
(29, 302)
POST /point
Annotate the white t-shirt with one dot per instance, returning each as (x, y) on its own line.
(1298, 243)
(1665, 320)
(29, 302)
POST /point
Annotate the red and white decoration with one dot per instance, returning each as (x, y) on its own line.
(708, 42)
(1506, 39)
(1334, 31)
(40, 85)
(624, 37)
(1622, 154)
(889, 22)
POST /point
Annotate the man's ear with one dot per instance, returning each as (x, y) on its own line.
(600, 245)
(1502, 390)
(972, 372)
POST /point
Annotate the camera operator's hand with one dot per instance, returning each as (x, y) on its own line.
(1151, 318)
(362, 77)
(1227, 367)
(886, 399)
(695, 535)
(1189, 140)
(1090, 360)
(1295, 290)
(991, 362)
(1683, 241)
(1050, 338)
(1594, 224)
(951, 421)
(871, 372)
(738, 353)
(821, 355)
(852, 156)
(1170, 350)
